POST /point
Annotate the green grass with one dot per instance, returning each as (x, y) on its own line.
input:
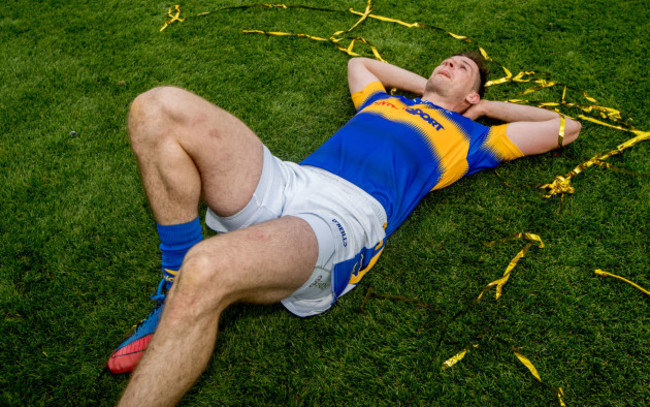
(78, 249)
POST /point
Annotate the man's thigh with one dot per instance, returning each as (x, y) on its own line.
(226, 152)
(263, 263)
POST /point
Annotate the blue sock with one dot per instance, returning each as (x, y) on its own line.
(175, 242)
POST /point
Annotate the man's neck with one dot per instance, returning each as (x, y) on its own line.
(445, 103)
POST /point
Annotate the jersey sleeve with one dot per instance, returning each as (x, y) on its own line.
(493, 148)
(373, 91)
(500, 145)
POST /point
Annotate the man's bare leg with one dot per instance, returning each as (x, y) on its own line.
(185, 147)
(260, 264)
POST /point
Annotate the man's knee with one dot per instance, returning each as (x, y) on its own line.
(152, 102)
(204, 282)
(154, 112)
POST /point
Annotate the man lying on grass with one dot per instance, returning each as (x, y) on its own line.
(301, 234)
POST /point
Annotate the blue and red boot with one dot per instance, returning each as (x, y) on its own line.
(127, 356)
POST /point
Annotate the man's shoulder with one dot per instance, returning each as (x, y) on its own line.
(372, 92)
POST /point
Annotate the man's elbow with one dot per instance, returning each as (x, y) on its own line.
(355, 65)
(356, 61)
(571, 131)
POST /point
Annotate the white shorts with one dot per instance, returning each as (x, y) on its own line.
(348, 222)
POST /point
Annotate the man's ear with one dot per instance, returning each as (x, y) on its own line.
(473, 98)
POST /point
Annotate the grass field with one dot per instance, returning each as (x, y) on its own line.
(78, 249)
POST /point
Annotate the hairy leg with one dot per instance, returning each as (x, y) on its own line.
(260, 264)
(187, 147)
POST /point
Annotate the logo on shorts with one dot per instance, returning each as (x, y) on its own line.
(344, 235)
(319, 283)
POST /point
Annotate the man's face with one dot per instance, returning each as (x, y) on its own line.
(456, 76)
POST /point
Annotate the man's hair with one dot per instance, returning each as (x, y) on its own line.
(482, 68)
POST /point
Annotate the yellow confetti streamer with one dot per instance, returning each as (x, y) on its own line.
(387, 19)
(562, 183)
(335, 41)
(560, 137)
(606, 274)
(334, 38)
(372, 48)
(174, 17)
(485, 55)
(277, 33)
(605, 112)
(589, 98)
(542, 84)
(520, 77)
(456, 358)
(523, 359)
(611, 167)
(363, 18)
(505, 79)
(560, 394)
(529, 365)
(506, 275)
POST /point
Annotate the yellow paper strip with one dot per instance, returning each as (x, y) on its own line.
(560, 393)
(174, 17)
(523, 359)
(606, 274)
(520, 76)
(562, 184)
(589, 98)
(278, 33)
(456, 358)
(542, 84)
(506, 78)
(387, 19)
(560, 136)
(364, 16)
(485, 55)
(506, 275)
(529, 365)
(458, 37)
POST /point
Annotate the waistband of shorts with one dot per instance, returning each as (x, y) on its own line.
(374, 205)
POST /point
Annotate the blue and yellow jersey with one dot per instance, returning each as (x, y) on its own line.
(399, 149)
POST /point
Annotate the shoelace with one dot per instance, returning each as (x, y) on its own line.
(159, 296)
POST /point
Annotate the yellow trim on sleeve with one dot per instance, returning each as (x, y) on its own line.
(499, 142)
(358, 98)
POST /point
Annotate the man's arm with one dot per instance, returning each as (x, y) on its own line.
(532, 129)
(362, 71)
